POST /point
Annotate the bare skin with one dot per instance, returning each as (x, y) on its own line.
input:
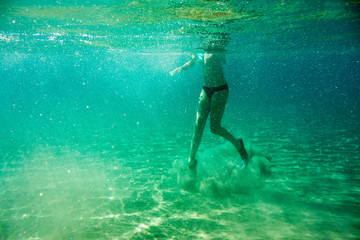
(214, 106)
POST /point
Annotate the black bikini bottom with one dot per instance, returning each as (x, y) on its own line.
(211, 90)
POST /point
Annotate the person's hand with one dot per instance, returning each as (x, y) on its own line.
(175, 71)
(192, 55)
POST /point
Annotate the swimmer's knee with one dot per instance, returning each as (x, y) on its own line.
(217, 130)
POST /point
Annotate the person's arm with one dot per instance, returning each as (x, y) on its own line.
(186, 66)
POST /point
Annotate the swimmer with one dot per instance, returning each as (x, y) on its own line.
(212, 99)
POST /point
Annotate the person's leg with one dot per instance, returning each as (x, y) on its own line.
(218, 103)
(201, 116)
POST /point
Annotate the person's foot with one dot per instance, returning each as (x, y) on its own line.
(192, 165)
(243, 153)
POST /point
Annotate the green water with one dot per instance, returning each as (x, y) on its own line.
(95, 134)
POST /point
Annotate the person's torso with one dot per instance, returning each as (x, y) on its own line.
(213, 69)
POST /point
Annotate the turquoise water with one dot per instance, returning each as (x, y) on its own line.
(95, 134)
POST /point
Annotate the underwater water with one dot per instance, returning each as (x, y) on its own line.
(95, 133)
